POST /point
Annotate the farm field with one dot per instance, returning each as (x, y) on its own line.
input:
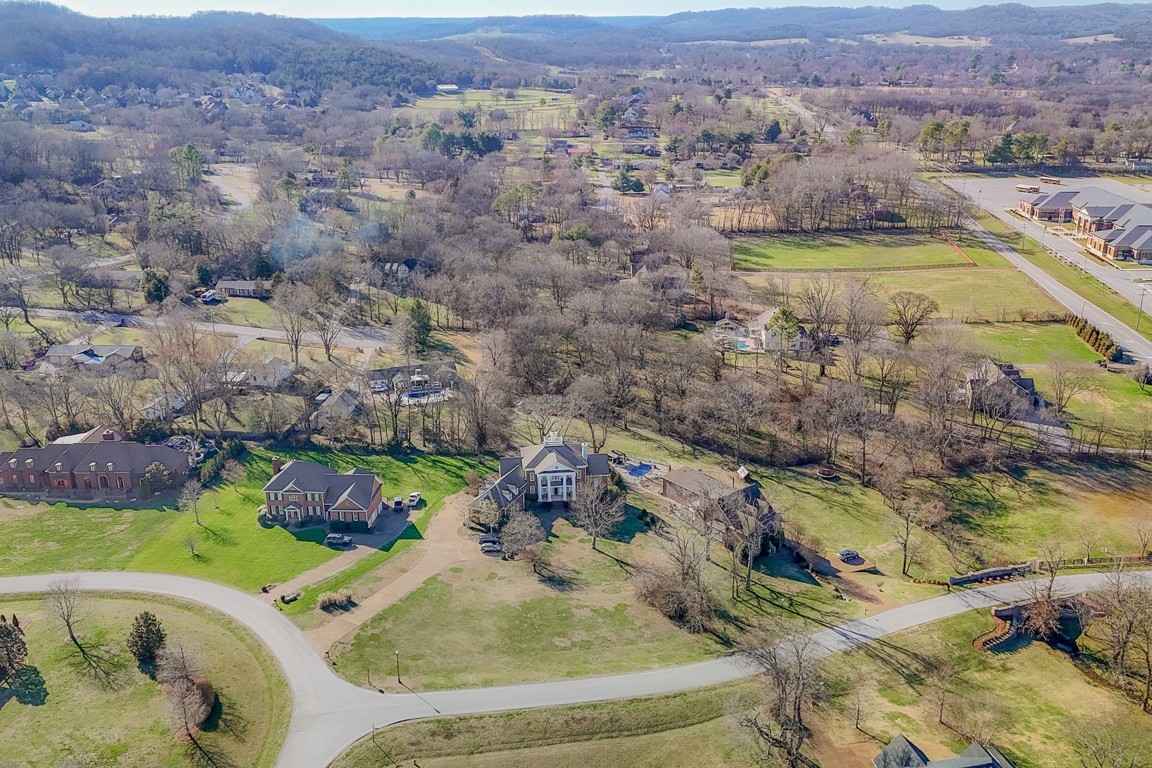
(123, 722)
(530, 109)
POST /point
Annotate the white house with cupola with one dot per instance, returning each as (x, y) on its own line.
(552, 471)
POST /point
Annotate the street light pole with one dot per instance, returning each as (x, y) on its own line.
(398, 668)
(1140, 309)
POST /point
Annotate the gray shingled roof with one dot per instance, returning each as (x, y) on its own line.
(356, 486)
(76, 457)
(902, 753)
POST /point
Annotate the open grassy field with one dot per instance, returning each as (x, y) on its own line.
(1034, 697)
(952, 41)
(684, 729)
(124, 723)
(531, 109)
(972, 294)
(231, 546)
(1005, 516)
(862, 250)
(1030, 343)
(1108, 395)
(509, 625)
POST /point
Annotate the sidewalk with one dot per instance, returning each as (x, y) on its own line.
(445, 544)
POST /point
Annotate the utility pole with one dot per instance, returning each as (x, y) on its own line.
(1140, 309)
(398, 668)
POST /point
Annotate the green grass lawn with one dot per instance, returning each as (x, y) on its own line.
(231, 546)
(1030, 343)
(510, 626)
(124, 723)
(1109, 396)
(250, 312)
(967, 295)
(862, 250)
(1035, 697)
(690, 728)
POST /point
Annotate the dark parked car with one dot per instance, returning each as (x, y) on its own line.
(849, 556)
(492, 549)
(489, 538)
(337, 540)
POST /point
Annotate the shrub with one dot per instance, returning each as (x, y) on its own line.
(214, 465)
(684, 601)
(330, 601)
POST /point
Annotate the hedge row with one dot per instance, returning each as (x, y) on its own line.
(1101, 341)
(214, 464)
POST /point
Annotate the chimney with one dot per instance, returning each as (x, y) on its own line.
(108, 435)
(584, 451)
(276, 465)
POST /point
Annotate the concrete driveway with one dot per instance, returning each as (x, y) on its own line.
(329, 714)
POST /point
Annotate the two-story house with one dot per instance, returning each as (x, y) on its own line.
(98, 463)
(552, 471)
(305, 492)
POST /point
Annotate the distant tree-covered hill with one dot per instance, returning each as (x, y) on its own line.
(1130, 21)
(152, 51)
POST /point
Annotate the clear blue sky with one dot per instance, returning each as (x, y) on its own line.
(457, 8)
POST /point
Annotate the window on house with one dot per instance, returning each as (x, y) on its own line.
(119, 482)
(87, 482)
(31, 478)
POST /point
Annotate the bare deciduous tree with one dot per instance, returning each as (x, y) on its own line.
(1066, 379)
(792, 674)
(522, 532)
(909, 311)
(598, 510)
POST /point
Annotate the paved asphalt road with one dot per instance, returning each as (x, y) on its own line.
(329, 714)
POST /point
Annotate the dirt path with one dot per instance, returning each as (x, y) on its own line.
(445, 544)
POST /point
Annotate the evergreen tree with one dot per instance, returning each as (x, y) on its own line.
(1003, 152)
(418, 329)
(13, 650)
(147, 637)
(154, 286)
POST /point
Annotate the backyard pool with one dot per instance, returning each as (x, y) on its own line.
(639, 470)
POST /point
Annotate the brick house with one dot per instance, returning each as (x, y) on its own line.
(554, 470)
(98, 463)
(306, 492)
(1116, 228)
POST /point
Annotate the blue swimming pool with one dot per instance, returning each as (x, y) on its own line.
(640, 469)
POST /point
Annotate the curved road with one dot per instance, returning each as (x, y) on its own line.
(329, 714)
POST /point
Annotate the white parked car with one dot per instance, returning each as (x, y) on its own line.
(208, 297)
(414, 499)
